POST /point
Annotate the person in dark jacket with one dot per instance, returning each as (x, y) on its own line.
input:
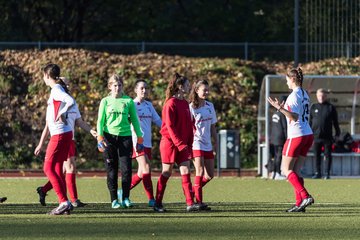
(278, 138)
(323, 117)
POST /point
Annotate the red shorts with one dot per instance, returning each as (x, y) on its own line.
(201, 153)
(298, 146)
(170, 154)
(146, 151)
(72, 149)
(58, 147)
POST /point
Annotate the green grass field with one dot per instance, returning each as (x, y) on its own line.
(241, 209)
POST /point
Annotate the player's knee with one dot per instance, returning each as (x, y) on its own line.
(199, 172)
(166, 174)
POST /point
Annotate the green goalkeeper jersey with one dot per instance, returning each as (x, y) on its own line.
(116, 116)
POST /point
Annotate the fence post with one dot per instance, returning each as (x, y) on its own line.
(143, 46)
(246, 51)
(39, 45)
(348, 50)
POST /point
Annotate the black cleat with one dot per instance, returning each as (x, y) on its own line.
(316, 176)
(78, 204)
(42, 196)
(307, 202)
(204, 207)
(327, 177)
(159, 208)
(193, 208)
(3, 199)
(295, 209)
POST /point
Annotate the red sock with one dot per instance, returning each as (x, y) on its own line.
(71, 186)
(186, 185)
(47, 187)
(297, 194)
(135, 180)
(148, 185)
(295, 181)
(160, 189)
(198, 189)
(204, 181)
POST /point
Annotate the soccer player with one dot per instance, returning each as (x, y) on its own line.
(176, 141)
(299, 137)
(204, 116)
(147, 114)
(73, 118)
(116, 113)
(61, 135)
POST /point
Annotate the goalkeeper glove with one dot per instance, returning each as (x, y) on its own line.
(102, 144)
(139, 144)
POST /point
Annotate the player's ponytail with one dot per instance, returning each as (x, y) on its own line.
(194, 97)
(173, 86)
(297, 75)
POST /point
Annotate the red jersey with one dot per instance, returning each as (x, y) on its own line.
(177, 124)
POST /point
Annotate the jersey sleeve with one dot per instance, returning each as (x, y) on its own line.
(292, 104)
(335, 121)
(170, 115)
(101, 118)
(155, 116)
(214, 119)
(78, 114)
(134, 119)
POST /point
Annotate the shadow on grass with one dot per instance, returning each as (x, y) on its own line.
(177, 210)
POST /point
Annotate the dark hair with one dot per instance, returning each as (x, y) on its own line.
(194, 97)
(139, 81)
(53, 70)
(173, 86)
(297, 75)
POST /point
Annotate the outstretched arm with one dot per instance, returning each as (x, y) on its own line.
(82, 124)
(280, 108)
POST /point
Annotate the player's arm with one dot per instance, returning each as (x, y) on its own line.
(336, 122)
(280, 108)
(214, 136)
(136, 125)
(155, 117)
(82, 124)
(64, 97)
(170, 114)
(44, 135)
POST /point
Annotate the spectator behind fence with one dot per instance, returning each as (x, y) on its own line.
(323, 116)
(278, 138)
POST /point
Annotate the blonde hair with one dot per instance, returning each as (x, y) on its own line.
(115, 78)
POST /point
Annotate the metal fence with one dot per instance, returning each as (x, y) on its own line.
(255, 51)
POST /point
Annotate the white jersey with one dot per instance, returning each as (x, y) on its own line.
(204, 117)
(72, 114)
(57, 101)
(146, 114)
(298, 102)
